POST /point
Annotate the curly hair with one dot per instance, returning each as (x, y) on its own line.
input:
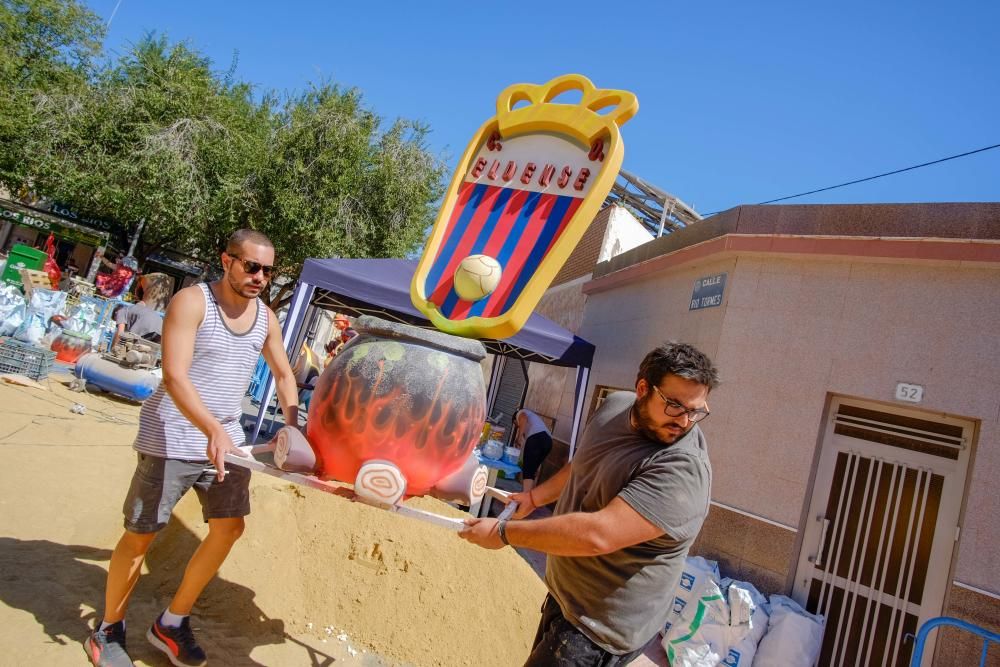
(680, 359)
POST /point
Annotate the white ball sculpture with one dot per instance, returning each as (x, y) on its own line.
(476, 277)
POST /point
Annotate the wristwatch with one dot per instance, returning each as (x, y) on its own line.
(502, 531)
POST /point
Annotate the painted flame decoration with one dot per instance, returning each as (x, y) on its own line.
(422, 414)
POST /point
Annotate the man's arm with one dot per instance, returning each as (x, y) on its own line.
(119, 330)
(543, 494)
(180, 326)
(577, 534)
(284, 377)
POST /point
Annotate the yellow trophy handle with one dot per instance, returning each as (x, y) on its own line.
(594, 99)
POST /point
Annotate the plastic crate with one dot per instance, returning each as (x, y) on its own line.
(23, 359)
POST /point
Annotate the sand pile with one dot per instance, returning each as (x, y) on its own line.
(315, 577)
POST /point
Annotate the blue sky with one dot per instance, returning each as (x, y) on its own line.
(740, 102)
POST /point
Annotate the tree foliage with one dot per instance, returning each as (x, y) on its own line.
(158, 135)
(48, 46)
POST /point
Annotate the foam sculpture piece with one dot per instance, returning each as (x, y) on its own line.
(398, 413)
(400, 409)
(528, 185)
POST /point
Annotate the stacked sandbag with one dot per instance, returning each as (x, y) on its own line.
(727, 623)
(748, 620)
(794, 636)
(696, 572)
(719, 625)
(699, 636)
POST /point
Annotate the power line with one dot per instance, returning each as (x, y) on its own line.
(872, 178)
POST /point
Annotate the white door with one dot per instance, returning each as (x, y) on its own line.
(883, 520)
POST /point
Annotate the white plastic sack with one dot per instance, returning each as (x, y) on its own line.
(699, 637)
(11, 309)
(84, 319)
(794, 636)
(696, 572)
(748, 619)
(43, 305)
(12, 319)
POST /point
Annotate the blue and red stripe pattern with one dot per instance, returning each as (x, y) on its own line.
(516, 227)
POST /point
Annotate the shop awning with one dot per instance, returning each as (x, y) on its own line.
(49, 223)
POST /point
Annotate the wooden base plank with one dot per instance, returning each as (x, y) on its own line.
(314, 482)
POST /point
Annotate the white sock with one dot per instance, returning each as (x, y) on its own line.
(105, 624)
(171, 620)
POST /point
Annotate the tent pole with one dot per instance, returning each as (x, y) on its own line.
(290, 335)
(499, 362)
(582, 379)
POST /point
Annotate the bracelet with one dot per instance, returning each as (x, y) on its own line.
(502, 531)
(531, 497)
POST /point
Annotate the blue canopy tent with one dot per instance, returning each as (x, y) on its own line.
(381, 287)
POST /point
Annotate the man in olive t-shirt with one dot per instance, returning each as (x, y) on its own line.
(630, 504)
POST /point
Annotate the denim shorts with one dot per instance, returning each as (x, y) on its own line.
(158, 484)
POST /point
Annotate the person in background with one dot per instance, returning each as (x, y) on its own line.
(213, 335)
(344, 333)
(535, 441)
(631, 503)
(144, 318)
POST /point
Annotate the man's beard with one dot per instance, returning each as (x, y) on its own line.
(645, 426)
(244, 290)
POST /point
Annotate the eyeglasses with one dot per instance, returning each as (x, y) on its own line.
(252, 267)
(674, 409)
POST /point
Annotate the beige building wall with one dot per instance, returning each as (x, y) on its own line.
(792, 330)
(550, 388)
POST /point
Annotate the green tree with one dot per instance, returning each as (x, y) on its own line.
(159, 136)
(334, 184)
(49, 48)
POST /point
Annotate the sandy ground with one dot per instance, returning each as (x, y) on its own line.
(315, 580)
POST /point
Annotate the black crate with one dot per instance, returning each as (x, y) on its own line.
(24, 359)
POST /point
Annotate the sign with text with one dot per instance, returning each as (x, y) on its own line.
(64, 230)
(527, 187)
(911, 393)
(708, 292)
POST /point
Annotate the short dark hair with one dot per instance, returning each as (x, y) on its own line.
(680, 359)
(241, 236)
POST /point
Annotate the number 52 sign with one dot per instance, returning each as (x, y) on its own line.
(911, 393)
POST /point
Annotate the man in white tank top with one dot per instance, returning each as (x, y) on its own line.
(212, 337)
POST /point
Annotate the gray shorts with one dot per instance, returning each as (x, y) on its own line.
(158, 484)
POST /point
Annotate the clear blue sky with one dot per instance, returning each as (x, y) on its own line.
(740, 102)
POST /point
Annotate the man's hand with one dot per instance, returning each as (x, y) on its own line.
(220, 444)
(482, 532)
(525, 504)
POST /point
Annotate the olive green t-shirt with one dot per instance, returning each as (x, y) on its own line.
(620, 600)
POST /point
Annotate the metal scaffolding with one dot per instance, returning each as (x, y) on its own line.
(659, 211)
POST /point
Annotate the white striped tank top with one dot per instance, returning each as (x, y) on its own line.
(221, 367)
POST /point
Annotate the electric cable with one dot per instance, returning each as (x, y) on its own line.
(871, 178)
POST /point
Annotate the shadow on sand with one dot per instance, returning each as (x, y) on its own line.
(61, 586)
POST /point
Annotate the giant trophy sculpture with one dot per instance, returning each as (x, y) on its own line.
(400, 409)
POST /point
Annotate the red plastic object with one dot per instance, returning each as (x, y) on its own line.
(70, 347)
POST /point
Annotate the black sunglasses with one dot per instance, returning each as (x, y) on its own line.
(253, 267)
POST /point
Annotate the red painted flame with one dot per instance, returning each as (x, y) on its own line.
(353, 420)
